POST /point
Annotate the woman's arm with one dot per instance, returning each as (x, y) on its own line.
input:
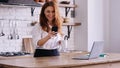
(42, 41)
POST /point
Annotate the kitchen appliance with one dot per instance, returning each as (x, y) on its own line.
(8, 54)
(20, 2)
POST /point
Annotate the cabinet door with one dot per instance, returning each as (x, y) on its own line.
(115, 65)
(95, 66)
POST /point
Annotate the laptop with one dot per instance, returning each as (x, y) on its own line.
(96, 50)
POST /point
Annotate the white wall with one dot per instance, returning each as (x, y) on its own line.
(90, 14)
(100, 23)
(111, 25)
(22, 17)
(81, 31)
(95, 22)
(106, 15)
(114, 26)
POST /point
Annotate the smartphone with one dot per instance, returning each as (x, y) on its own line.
(55, 28)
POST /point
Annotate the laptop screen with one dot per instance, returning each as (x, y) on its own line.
(97, 49)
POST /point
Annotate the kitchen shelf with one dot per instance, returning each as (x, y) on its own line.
(64, 24)
(71, 24)
(20, 5)
(64, 5)
(69, 28)
(68, 5)
(23, 5)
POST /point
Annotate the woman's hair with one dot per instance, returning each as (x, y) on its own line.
(57, 21)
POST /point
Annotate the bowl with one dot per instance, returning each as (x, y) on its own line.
(66, 20)
(65, 2)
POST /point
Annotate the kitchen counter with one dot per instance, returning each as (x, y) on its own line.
(112, 60)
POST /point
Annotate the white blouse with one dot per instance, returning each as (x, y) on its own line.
(38, 33)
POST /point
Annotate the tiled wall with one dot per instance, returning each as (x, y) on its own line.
(22, 17)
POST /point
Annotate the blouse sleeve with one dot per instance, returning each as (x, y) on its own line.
(36, 34)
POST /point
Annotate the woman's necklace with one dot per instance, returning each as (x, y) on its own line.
(49, 25)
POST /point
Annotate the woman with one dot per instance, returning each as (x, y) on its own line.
(48, 41)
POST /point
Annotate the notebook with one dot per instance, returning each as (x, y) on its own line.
(96, 50)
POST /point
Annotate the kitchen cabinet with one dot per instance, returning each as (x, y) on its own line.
(72, 24)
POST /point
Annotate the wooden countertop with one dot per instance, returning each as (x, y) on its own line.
(64, 60)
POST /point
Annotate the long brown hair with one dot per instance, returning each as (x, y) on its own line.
(57, 21)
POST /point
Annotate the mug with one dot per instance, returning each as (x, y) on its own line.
(64, 46)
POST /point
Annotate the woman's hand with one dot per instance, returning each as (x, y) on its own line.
(59, 42)
(52, 34)
(45, 39)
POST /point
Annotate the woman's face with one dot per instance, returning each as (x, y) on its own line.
(50, 13)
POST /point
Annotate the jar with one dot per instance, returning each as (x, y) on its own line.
(41, 0)
(36, 0)
(51, 0)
